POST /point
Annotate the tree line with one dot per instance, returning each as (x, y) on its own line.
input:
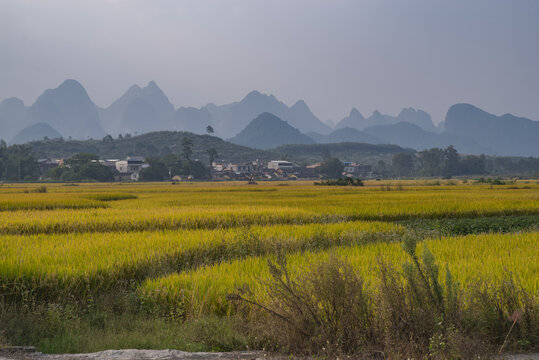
(18, 163)
(448, 162)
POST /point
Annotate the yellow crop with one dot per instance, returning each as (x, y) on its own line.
(470, 258)
(70, 263)
(202, 206)
(71, 240)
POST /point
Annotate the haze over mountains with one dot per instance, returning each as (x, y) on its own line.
(260, 121)
(410, 115)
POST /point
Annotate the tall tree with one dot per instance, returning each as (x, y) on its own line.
(209, 129)
(403, 164)
(212, 153)
(332, 168)
(187, 148)
(157, 171)
(451, 163)
(108, 139)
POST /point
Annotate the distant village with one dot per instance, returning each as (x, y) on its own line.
(130, 168)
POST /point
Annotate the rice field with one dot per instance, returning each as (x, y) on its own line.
(63, 264)
(470, 258)
(87, 208)
(186, 246)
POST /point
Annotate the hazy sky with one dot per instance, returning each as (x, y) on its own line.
(334, 54)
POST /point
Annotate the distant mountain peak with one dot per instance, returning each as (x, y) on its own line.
(67, 91)
(408, 110)
(71, 85)
(508, 134)
(355, 113)
(464, 111)
(300, 104)
(134, 89)
(13, 101)
(353, 120)
(267, 131)
(417, 117)
(35, 132)
(152, 88)
(255, 94)
(267, 117)
(68, 108)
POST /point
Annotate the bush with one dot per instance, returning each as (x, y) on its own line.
(40, 189)
(492, 181)
(341, 182)
(419, 314)
(324, 311)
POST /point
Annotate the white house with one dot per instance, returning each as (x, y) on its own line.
(281, 165)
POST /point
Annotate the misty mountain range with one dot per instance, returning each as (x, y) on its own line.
(260, 121)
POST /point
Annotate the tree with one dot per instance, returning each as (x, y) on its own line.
(108, 139)
(209, 130)
(439, 162)
(174, 164)
(95, 171)
(157, 171)
(212, 153)
(332, 168)
(473, 165)
(326, 155)
(187, 150)
(78, 160)
(451, 161)
(17, 163)
(431, 162)
(196, 169)
(403, 164)
(382, 168)
(82, 166)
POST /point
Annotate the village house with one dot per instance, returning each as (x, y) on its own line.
(282, 165)
(221, 166)
(47, 164)
(129, 169)
(358, 170)
(241, 168)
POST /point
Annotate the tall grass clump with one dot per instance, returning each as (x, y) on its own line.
(418, 312)
(415, 311)
(325, 310)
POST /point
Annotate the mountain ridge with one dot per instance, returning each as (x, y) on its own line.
(69, 110)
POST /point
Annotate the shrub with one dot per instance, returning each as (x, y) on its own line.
(326, 310)
(341, 182)
(420, 313)
(41, 189)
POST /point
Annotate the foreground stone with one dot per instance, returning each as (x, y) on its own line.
(29, 353)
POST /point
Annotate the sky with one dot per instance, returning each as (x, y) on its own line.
(334, 54)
